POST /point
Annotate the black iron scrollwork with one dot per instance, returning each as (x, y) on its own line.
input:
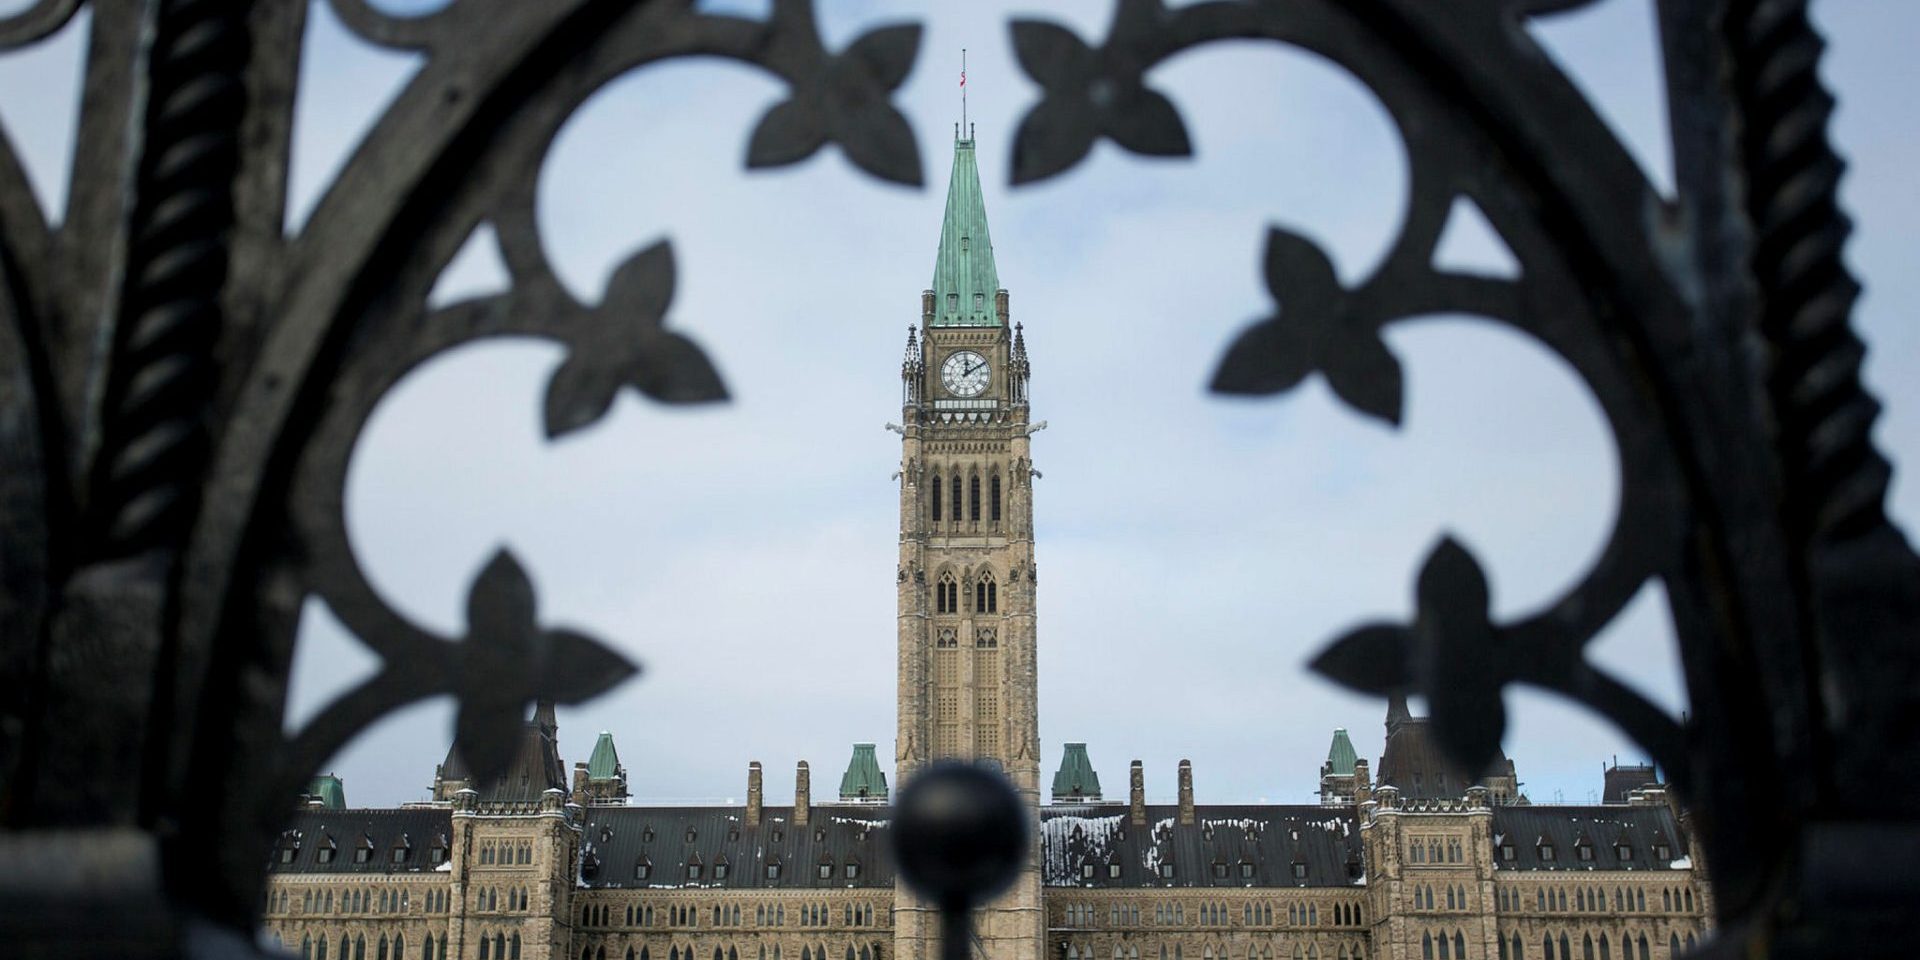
(175, 472)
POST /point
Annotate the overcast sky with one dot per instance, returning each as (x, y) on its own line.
(1195, 551)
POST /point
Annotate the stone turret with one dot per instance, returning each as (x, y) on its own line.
(753, 794)
(802, 794)
(1186, 791)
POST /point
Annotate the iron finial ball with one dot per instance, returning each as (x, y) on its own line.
(960, 834)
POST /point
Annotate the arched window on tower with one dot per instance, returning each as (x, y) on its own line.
(947, 594)
(957, 503)
(973, 497)
(994, 500)
(936, 498)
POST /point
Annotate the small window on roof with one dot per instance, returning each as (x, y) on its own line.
(436, 854)
(778, 836)
(1299, 870)
(646, 834)
(1583, 851)
(1662, 852)
(1506, 852)
(1166, 870)
(1086, 871)
(324, 854)
(773, 870)
(1113, 870)
(826, 870)
(852, 870)
(288, 852)
(1219, 870)
(693, 870)
(819, 834)
(692, 835)
(1546, 851)
(362, 854)
(642, 870)
(399, 854)
(1246, 869)
(1624, 851)
(719, 871)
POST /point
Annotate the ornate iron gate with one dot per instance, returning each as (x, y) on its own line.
(181, 385)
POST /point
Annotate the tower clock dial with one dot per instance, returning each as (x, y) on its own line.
(965, 374)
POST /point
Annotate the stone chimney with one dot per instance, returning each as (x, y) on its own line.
(580, 782)
(1362, 781)
(1186, 791)
(1000, 306)
(802, 794)
(753, 794)
(1137, 794)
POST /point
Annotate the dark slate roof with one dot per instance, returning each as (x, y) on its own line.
(616, 839)
(536, 767)
(419, 828)
(1603, 827)
(1622, 780)
(1412, 761)
(1270, 837)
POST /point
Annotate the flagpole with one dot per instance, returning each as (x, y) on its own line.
(963, 92)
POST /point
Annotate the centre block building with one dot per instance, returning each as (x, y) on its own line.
(1421, 862)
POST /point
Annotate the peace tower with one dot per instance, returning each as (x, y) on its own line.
(966, 577)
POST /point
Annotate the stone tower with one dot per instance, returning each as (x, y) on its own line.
(966, 575)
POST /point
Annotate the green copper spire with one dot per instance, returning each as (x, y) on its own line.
(863, 779)
(1341, 756)
(1075, 780)
(331, 791)
(964, 279)
(605, 763)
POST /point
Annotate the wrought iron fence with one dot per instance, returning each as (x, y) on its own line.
(181, 386)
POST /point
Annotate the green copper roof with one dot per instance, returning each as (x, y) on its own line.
(1340, 756)
(1075, 779)
(605, 763)
(964, 278)
(863, 779)
(332, 793)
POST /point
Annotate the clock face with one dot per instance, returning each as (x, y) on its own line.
(964, 373)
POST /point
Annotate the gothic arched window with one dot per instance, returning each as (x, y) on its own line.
(994, 500)
(973, 497)
(936, 498)
(956, 498)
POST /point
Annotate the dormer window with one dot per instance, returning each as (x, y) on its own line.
(773, 869)
(778, 836)
(1299, 870)
(826, 870)
(1507, 852)
(1166, 871)
(720, 870)
(1086, 871)
(1546, 851)
(646, 835)
(1113, 870)
(819, 835)
(1583, 851)
(363, 851)
(1662, 852)
(1219, 870)
(692, 835)
(852, 870)
(693, 870)
(437, 854)
(642, 870)
(1246, 869)
(325, 853)
(1624, 851)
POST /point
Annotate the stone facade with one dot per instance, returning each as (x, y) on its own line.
(1427, 864)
